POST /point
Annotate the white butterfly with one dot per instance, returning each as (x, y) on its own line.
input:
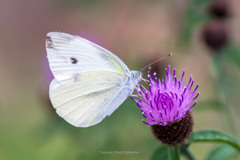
(90, 82)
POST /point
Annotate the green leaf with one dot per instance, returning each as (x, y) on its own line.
(222, 152)
(213, 136)
(160, 153)
(173, 153)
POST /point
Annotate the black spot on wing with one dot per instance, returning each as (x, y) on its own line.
(49, 43)
(74, 60)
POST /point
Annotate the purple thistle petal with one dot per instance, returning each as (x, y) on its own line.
(166, 100)
(190, 80)
(164, 84)
(175, 80)
(182, 76)
(140, 86)
(196, 88)
(179, 85)
(166, 72)
(180, 102)
(176, 95)
(172, 94)
(184, 91)
(146, 96)
(192, 106)
(196, 96)
(132, 98)
(155, 77)
(191, 84)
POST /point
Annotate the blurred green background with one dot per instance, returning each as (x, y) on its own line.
(138, 32)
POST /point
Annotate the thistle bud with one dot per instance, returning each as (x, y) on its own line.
(220, 9)
(215, 35)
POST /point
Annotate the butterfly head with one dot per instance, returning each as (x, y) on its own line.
(136, 76)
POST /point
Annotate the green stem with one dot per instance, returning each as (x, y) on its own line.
(228, 113)
(173, 153)
(224, 97)
(187, 153)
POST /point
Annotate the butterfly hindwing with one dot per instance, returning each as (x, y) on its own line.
(84, 103)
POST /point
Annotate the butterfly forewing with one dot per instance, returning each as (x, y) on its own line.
(69, 55)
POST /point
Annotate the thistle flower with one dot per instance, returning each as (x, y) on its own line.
(166, 106)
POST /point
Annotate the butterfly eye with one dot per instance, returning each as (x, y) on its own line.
(137, 74)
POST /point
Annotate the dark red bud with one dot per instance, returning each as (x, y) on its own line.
(215, 35)
(220, 9)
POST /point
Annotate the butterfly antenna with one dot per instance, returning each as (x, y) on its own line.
(155, 62)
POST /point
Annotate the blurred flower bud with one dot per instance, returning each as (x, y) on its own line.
(220, 9)
(215, 35)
